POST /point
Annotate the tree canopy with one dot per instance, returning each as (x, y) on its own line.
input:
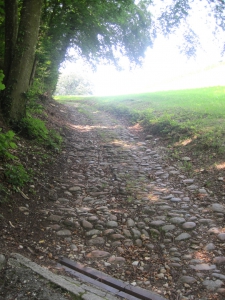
(36, 36)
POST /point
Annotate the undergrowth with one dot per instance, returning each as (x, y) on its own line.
(35, 129)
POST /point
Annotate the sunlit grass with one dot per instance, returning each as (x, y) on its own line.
(193, 115)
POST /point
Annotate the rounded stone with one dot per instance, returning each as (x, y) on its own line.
(183, 236)
(177, 220)
(221, 236)
(138, 242)
(98, 254)
(87, 225)
(96, 241)
(187, 279)
(210, 247)
(189, 225)
(64, 232)
(75, 189)
(168, 227)
(54, 218)
(108, 231)
(117, 236)
(127, 233)
(93, 232)
(136, 233)
(212, 284)
(112, 224)
(116, 260)
(2, 261)
(130, 223)
(93, 219)
(219, 260)
(157, 223)
(216, 207)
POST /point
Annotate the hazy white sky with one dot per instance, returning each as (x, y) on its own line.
(164, 66)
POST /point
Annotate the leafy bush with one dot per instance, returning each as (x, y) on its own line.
(6, 143)
(34, 128)
(16, 175)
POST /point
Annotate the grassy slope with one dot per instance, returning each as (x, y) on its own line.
(198, 114)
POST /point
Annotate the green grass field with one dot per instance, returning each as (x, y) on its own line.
(195, 114)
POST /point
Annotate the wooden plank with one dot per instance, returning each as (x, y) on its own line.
(124, 288)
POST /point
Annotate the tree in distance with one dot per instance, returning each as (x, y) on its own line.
(73, 84)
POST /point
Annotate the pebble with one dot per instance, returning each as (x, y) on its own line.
(212, 285)
(216, 207)
(64, 232)
(97, 254)
(203, 267)
(87, 225)
(177, 220)
(183, 236)
(2, 261)
(189, 225)
(96, 241)
(187, 279)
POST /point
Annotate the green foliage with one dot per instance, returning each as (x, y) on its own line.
(7, 143)
(34, 128)
(2, 86)
(16, 175)
(73, 84)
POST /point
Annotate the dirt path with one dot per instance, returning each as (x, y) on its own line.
(118, 206)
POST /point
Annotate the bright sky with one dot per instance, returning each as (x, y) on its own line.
(164, 66)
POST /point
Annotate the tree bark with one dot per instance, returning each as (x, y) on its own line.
(11, 30)
(14, 101)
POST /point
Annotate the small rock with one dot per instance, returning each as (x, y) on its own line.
(183, 236)
(2, 261)
(210, 247)
(116, 260)
(212, 285)
(98, 254)
(189, 225)
(216, 207)
(187, 279)
(64, 232)
(221, 236)
(96, 241)
(112, 224)
(85, 224)
(219, 260)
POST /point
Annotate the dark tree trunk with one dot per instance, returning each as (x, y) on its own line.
(11, 30)
(20, 71)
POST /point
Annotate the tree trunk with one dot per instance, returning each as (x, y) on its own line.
(11, 30)
(14, 101)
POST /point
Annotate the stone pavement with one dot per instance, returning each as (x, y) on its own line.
(121, 208)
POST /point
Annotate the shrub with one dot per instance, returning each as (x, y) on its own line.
(34, 128)
(6, 143)
(16, 175)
